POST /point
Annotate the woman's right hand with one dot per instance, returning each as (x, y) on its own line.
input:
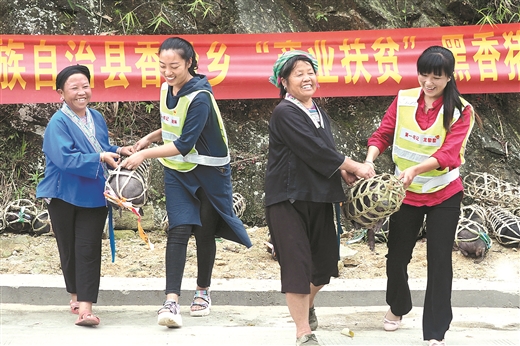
(111, 159)
(348, 178)
(141, 144)
(133, 161)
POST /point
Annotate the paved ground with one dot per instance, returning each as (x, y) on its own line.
(34, 311)
(47, 325)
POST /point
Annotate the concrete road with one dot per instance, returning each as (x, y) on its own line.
(51, 325)
(34, 311)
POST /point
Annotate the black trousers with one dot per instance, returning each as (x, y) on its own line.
(441, 224)
(177, 243)
(304, 238)
(78, 233)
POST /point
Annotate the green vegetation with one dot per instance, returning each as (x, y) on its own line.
(500, 12)
(147, 15)
(199, 6)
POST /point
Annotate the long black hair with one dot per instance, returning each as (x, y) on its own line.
(440, 61)
(185, 50)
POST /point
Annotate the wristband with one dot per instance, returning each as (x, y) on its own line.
(370, 162)
(102, 157)
(118, 151)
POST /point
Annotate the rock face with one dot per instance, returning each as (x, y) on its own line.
(494, 149)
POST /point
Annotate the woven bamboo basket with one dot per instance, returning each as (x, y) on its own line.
(19, 214)
(505, 226)
(472, 220)
(125, 186)
(239, 204)
(370, 201)
(2, 221)
(487, 189)
(41, 223)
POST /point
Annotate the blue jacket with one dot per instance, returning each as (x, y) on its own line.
(73, 172)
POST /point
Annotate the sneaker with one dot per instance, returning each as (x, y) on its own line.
(307, 340)
(170, 315)
(313, 320)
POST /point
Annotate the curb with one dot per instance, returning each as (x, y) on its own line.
(50, 290)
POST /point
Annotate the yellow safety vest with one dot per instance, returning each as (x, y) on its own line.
(172, 122)
(412, 145)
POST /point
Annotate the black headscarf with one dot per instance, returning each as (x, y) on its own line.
(68, 71)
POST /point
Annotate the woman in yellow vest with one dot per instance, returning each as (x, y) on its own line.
(428, 128)
(197, 175)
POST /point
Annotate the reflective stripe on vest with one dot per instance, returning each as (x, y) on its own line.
(412, 145)
(172, 122)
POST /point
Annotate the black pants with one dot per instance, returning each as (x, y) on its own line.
(304, 238)
(177, 243)
(441, 224)
(78, 232)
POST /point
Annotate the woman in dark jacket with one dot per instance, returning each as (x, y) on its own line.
(197, 175)
(302, 182)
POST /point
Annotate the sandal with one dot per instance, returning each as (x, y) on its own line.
(313, 320)
(204, 306)
(87, 319)
(74, 307)
(434, 342)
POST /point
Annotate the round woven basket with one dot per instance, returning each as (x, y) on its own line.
(504, 225)
(19, 214)
(239, 204)
(2, 221)
(371, 200)
(129, 186)
(489, 190)
(41, 223)
(473, 221)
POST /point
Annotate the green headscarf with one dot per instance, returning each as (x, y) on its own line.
(278, 65)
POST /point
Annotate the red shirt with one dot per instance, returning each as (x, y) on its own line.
(447, 155)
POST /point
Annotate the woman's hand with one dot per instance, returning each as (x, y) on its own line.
(407, 176)
(349, 178)
(133, 161)
(111, 159)
(127, 151)
(141, 144)
(365, 171)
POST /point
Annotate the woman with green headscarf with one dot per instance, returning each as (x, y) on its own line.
(302, 182)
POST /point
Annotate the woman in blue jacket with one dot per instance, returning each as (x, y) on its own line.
(77, 156)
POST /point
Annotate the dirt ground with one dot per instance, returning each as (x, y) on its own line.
(25, 254)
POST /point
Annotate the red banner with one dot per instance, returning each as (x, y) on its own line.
(351, 63)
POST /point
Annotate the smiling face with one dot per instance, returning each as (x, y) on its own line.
(174, 69)
(76, 93)
(301, 83)
(433, 85)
